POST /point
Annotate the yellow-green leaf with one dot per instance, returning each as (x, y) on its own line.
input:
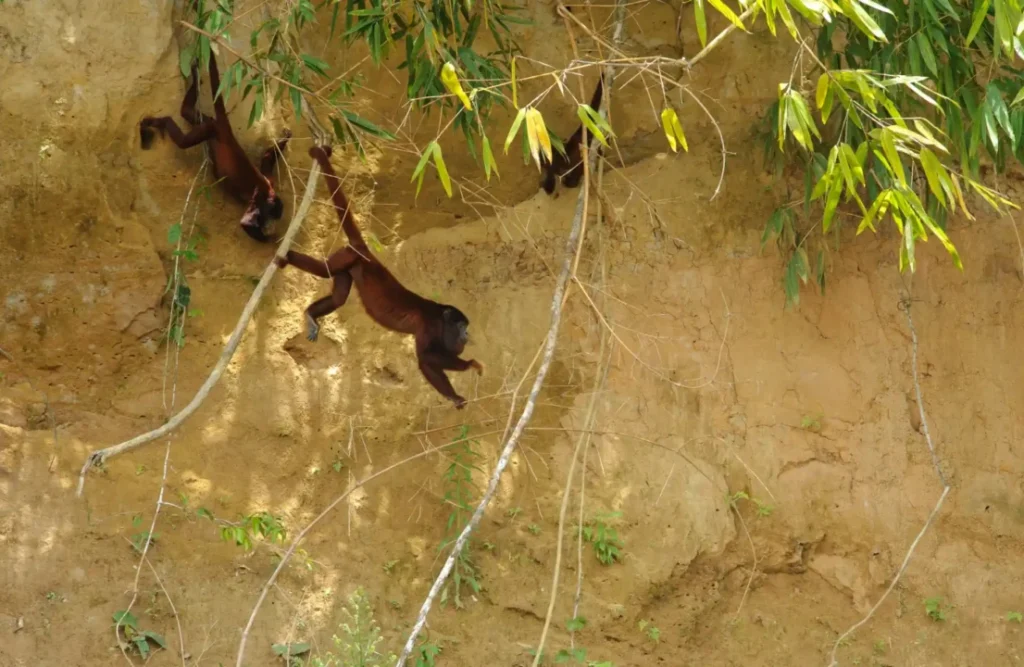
(1018, 98)
(515, 96)
(515, 128)
(592, 127)
(701, 21)
(932, 170)
(421, 165)
(787, 18)
(489, 163)
(724, 10)
(831, 202)
(769, 13)
(537, 135)
(442, 170)
(677, 129)
(822, 91)
(907, 255)
(450, 79)
(854, 163)
(667, 114)
(877, 210)
(893, 158)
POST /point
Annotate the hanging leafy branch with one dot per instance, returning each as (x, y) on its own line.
(905, 111)
(436, 36)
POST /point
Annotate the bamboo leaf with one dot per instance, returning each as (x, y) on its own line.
(442, 170)
(515, 95)
(892, 157)
(677, 129)
(932, 172)
(537, 133)
(592, 128)
(421, 165)
(489, 163)
(515, 128)
(724, 10)
(702, 23)
(667, 114)
(450, 79)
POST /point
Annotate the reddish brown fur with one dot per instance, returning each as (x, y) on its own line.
(237, 174)
(440, 330)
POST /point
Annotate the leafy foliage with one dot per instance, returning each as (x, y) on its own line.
(357, 643)
(458, 481)
(905, 108)
(134, 638)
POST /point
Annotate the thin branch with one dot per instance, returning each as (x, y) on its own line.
(100, 456)
(549, 352)
(905, 307)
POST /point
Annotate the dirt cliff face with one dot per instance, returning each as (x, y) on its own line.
(705, 387)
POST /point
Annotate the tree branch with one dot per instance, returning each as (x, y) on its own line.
(98, 457)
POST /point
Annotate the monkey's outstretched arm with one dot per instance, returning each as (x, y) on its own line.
(436, 377)
(196, 135)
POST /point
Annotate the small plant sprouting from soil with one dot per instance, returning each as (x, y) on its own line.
(1015, 617)
(763, 509)
(458, 485)
(935, 609)
(357, 642)
(605, 538)
(651, 630)
(263, 525)
(132, 638)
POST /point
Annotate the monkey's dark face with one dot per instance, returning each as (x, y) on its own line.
(456, 330)
(547, 180)
(275, 207)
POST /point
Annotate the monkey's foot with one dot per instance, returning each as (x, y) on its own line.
(312, 328)
(459, 402)
(478, 366)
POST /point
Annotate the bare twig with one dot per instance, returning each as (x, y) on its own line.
(905, 307)
(100, 456)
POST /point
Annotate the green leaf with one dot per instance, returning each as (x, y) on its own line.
(174, 233)
(421, 165)
(288, 650)
(366, 125)
(185, 58)
(933, 173)
(489, 162)
(205, 513)
(1018, 98)
(158, 639)
(126, 619)
(862, 20)
(831, 202)
(892, 157)
(994, 98)
(927, 54)
(773, 228)
(442, 170)
(315, 64)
